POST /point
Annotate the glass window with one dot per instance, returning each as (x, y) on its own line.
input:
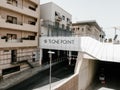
(11, 19)
(63, 17)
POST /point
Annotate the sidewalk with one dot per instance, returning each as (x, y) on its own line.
(19, 77)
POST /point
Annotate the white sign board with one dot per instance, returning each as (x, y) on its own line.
(60, 43)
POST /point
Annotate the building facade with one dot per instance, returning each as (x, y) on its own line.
(19, 30)
(88, 28)
(55, 21)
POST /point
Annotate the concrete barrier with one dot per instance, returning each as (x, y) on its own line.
(70, 84)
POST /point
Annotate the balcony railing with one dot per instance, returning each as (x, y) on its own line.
(35, 1)
(14, 40)
(23, 10)
(56, 29)
(48, 23)
(58, 18)
(18, 26)
(17, 43)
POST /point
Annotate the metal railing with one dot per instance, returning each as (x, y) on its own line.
(56, 29)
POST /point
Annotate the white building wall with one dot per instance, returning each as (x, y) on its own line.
(48, 12)
(62, 12)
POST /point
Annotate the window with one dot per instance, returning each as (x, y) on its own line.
(13, 56)
(89, 29)
(11, 19)
(57, 24)
(68, 19)
(63, 17)
(10, 70)
(32, 22)
(67, 27)
(56, 13)
(12, 2)
(31, 37)
(6, 50)
(82, 29)
(73, 29)
(32, 8)
(11, 36)
(63, 26)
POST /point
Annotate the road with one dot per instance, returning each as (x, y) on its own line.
(59, 72)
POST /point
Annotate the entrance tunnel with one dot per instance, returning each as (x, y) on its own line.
(110, 71)
(59, 55)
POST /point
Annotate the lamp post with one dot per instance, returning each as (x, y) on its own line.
(50, 56)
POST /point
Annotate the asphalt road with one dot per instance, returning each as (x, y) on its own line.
(59, 72)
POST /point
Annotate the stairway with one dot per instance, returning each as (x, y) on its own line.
(27, 62)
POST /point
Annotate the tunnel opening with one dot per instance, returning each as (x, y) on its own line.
(110, 72)
(58, 55)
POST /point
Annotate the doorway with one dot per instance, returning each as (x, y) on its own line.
(13, 56)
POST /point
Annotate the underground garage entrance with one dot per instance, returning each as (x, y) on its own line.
(110, 72)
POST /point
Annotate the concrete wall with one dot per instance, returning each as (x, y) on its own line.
(86, 30)
(86, 73)
(48, 12)
(71, 84)
(45, 10)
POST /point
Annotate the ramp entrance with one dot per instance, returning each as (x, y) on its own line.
(110, 72)
(60, 55)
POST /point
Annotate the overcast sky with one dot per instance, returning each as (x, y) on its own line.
(105, 12)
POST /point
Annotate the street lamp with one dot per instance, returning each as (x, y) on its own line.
(50, 56)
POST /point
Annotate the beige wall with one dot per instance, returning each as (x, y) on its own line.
(5, 58)
(72, 84)
(86, 73)
(20, 18)
(20, 34)
(4, 14)
(21, 29)
(86, 30)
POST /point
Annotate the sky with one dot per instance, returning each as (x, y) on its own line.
(105, 12)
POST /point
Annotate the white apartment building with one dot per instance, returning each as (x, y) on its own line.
(54, 20)
(88, 28)
(19, 30)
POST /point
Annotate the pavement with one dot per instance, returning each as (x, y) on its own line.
(21, 76)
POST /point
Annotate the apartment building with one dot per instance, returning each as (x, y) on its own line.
(88, 28)
(19, 30)
(55, 21)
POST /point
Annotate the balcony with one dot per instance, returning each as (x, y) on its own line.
(35, 1)
(16, 43)
(58, 18)
(69, 23)
(21, 27)
(24, 10)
